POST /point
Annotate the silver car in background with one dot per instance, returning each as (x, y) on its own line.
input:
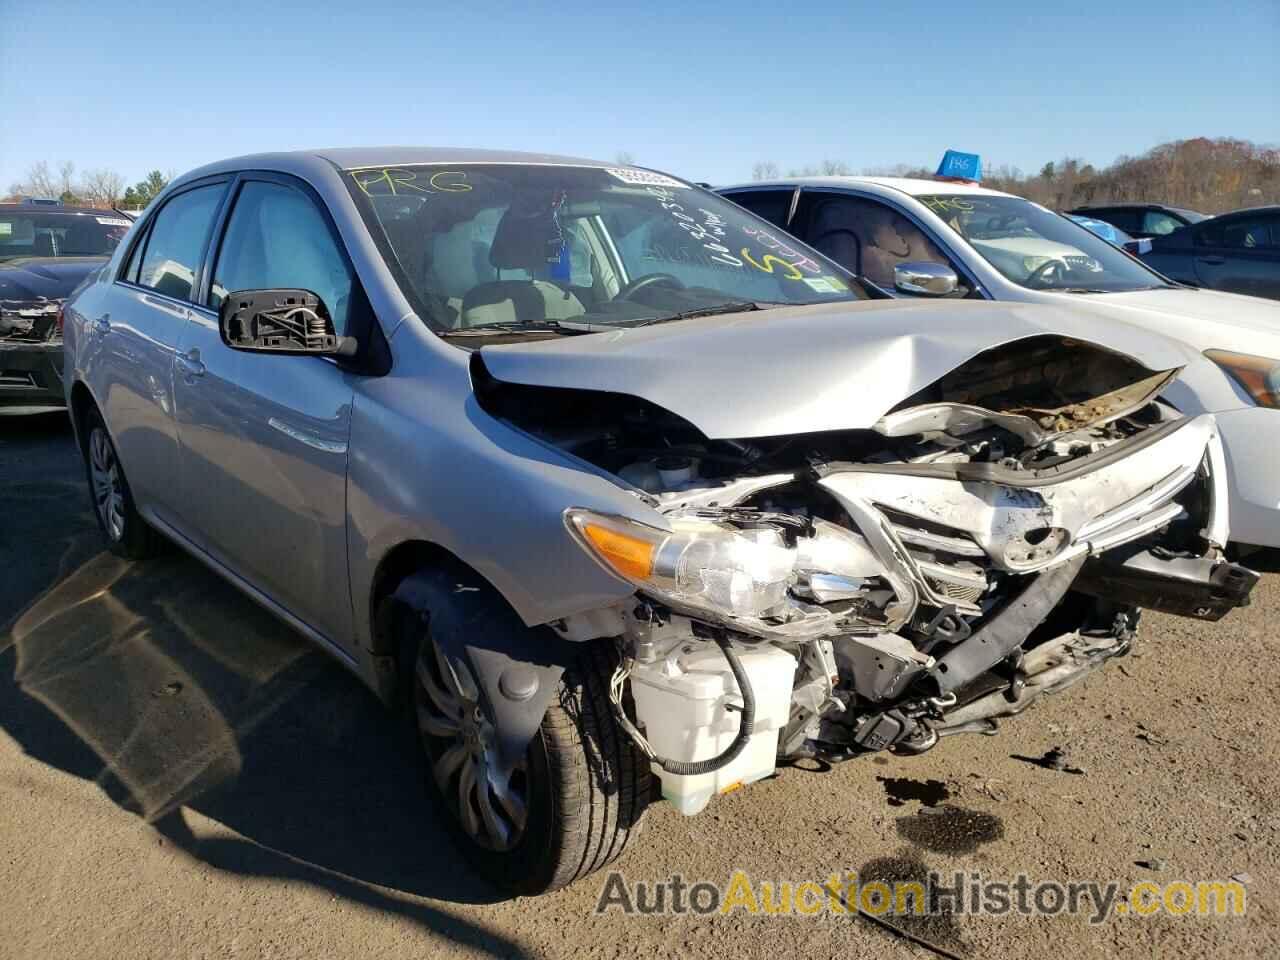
(616, 491)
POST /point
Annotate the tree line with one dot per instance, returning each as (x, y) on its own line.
(100, 187)
(1209, 175)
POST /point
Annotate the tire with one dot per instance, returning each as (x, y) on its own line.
(128, 535)
(582, 783)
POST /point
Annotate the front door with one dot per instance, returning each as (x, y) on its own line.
(1240, 255)
(265, 436)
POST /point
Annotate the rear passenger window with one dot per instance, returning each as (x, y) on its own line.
(1158, 223)
(130, 271)
(1127, 220)
(1251, 234)
(772, 205)
(177, 242)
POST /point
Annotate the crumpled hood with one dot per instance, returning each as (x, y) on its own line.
(52, 278)
(805, 369)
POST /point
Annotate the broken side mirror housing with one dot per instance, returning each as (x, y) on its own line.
(281, 321)
(925, 278)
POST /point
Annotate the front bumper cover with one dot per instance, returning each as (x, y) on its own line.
(31, 375)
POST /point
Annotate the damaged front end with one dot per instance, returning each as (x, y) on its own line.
(30, 353)
(987, 541)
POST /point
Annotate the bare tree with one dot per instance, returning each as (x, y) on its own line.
(39, 182)
(765, 170)
(624, 158)
(66, 183)
(828, 168)
(102, 187)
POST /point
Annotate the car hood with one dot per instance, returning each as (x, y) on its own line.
(51, 278)
(805, 369)
(1211, 313)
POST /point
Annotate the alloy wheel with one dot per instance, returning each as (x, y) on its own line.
(108, 485)
(462, 748)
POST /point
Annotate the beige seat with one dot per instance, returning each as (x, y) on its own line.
(516, 301)
(528, 242)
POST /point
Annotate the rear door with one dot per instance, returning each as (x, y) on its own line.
(1240, 254)
(132, 341)
(265, 436)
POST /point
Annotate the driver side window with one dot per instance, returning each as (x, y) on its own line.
(277, 238)
(868, 237)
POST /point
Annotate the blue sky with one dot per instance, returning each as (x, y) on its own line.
(703, 90)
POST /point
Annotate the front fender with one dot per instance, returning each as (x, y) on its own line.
(1251, 442)
(518, 668)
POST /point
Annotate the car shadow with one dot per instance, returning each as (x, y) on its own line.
(175, 693)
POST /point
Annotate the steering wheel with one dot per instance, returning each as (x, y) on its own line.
(648, 280)
(1040, 278)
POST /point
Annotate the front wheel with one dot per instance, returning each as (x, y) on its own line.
(571, 805)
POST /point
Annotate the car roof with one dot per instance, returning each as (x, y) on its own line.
(909, 185)
(356, 158)
(44, 208)
(1246, 212)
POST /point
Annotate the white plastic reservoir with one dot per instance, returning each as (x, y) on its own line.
(681, 706)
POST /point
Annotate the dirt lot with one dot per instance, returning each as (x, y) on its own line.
(181, 776)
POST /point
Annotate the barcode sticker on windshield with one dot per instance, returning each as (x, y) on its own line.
(113, 221)
(644, 178)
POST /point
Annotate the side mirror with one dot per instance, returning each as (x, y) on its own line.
(281, 321)
(925, 278)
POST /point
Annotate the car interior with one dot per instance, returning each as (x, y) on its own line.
(868, 238)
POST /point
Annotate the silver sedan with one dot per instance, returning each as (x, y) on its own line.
(616, 490)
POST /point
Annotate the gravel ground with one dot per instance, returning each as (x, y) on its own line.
(181, 776)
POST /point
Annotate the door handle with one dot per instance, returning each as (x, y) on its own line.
(1212, 261)
(190, 364)
(101, 324)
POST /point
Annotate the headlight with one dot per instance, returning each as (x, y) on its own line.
(1259, 376)
(698, 563)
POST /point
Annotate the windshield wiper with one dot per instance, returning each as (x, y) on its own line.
(1079, 290)
(745, 306)
(565, 327)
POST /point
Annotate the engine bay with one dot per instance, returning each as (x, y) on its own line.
(907, 570)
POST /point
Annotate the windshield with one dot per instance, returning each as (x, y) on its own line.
(56, 234)
(1038, 249)
(576, 249)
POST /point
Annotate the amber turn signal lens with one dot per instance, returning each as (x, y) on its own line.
(630, 556)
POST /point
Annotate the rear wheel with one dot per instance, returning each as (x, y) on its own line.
(128, 535)
(571, 805)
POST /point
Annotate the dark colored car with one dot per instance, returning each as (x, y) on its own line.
(1142, 219)
(1236, 252)
(46, 249)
